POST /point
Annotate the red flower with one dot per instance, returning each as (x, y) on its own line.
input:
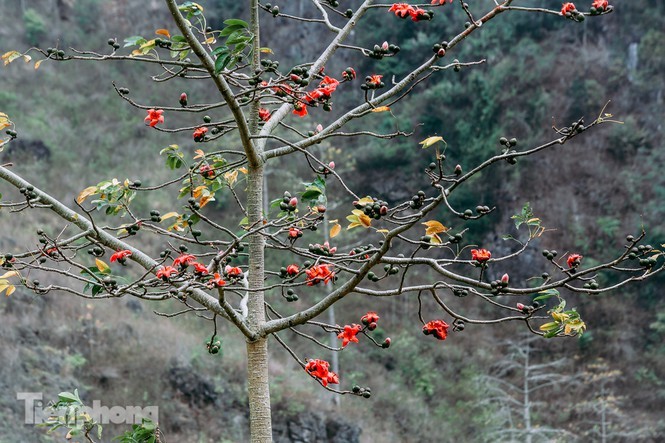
(300, 110)
(282, 90)
(217, 280)
(349, 74)
(120, 256)
(440, 2)
(329, 82)
(184, 260)
(480, 255)
(320, 273)
(233, 271)
(419, 14)
(199, 133)
(200, 268)
(437, 328)
(166, 272)
(370, 317)
(320, 369)
(154, 116)
(374, 80)
(264, 114)
(292, 270)
(206, 171)
(294, 233)
(402, 10)
(349, 334)
(600, 4)
(567, 7)
(574, 260)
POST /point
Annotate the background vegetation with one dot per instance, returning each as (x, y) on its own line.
(74, 132)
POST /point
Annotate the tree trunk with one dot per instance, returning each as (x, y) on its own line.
(258, 387)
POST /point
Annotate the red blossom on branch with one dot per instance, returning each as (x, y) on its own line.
(232, 271)
(600, 4)
(480, 255)
(402, 10)
(206, 171)
(440, 2)
(120, 256)
(320, 273)
(437, 328)
(199, 133)
(349, 74)
(574, 260)
(292, 270)
(217, 280)
(200, 268)
(154, 116)
(374, 80)
(320, 369)
(420, 14)
(184, 260)
(166, 272)
(349, 334)
(567, 7)
(370, 317)
(294, 233)
(264, 114)
(300, 110)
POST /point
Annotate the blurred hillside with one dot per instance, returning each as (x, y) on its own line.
(541, 71)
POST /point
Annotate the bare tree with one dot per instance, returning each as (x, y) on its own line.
(254, 111)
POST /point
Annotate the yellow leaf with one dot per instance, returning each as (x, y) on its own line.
(243, 170)
(363, 218)
(335, 230)
(199, 153)
(37, 63)
(429, 141)
(436, 240)
(210, 40)
(381, 109)
(147, 45)
(164, 32)
(365, 201)
(231, 177)
(103, 267)
(434, 227)
(353, 225)
(169, 215)
(197, 6)
(10, 56)
(549, 326)
(87, 192)
(560, 316)
(205, 199)
(266, 51)
(4, 121)
(9, 274)
(10, 290)
(198, 191)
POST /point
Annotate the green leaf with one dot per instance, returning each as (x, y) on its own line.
(547, 294)
(135, 40)
(68, 397)
(229, 30)
(236, 22)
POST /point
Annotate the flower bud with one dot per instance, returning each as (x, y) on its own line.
(331, 165)
(183, 99)
(386, 343)
(385, 46)
(520, 306)
(293, 202)
(505, 278)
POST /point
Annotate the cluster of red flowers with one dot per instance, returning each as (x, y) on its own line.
(217, 280)
(320, 369)
(199, 134)
(480, 255)
(154, 116)
(349, 334)
(319, 273)
(574, 260)
(404, 10)
(121, 256)
(437, 328)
